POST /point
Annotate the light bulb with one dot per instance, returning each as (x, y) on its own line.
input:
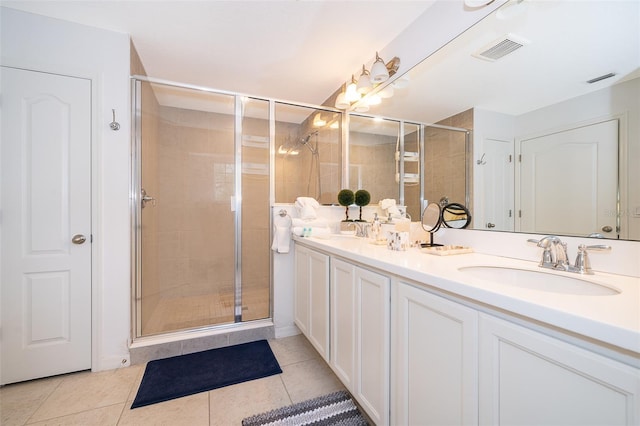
(379, 72)
(352, 95)
(364, 83)
(341, 101)
(318, 121)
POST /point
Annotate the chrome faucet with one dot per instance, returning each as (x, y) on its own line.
(362, 229)
(554, 255)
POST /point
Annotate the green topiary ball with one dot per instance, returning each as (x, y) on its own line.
(362, 197)
(346, 197)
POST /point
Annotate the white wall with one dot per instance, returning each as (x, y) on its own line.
(43, 44)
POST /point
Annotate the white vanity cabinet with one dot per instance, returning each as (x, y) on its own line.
(311, 295)
(414, 352)
(360, 335)
(435, 359)
(527, 377)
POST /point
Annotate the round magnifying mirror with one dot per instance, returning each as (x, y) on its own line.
(431, 220)
(455, 215)
(431, 217)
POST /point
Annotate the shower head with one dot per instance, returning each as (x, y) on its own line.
(305, 141)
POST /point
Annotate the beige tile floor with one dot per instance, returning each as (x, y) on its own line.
(105, 398)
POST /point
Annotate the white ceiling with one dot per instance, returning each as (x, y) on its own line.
(292, 50)
(304, 50)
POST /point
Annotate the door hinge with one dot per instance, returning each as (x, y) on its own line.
(519, 158)
(510, 212)
(519, 213)
(91, 238)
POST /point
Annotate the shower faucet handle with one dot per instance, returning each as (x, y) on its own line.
(146, 199)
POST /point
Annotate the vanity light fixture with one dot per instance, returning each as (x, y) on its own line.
(362, 106)
(379, 72)
(341, 100)
(402, 81)
(364, 85)
(386, 92)
(358, 92)
(287, 151)
(318, 121)
(351, 94)
(374, 99)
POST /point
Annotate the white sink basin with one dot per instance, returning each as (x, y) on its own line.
(539, 280)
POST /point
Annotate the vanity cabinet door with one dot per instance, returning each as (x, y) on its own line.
(435, 361)
(311, 311)
(360, 340)
(527, 377)
(373, 346)
(343, 321)
(301, 290)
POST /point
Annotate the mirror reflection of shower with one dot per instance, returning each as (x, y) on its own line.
(314, 169)
(308, 158)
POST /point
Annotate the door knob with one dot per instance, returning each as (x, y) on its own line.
(491, 225)
(78, 239)
(607, 228)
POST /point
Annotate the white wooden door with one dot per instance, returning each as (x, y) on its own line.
(568, 172)
(46, 201)
(497, 171)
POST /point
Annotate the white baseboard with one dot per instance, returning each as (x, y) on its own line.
(287, 331)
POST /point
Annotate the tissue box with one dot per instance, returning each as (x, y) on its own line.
(398, 240)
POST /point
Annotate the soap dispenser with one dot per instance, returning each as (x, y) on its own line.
(375, 230)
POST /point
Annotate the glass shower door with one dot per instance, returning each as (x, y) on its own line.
(187, 223)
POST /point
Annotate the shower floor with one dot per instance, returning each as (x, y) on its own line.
(184, 312)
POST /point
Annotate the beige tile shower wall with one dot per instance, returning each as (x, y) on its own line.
(445, 160)
(196, 237)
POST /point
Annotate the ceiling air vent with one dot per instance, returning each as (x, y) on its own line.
(501, 47)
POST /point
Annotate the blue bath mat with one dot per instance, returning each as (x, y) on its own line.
(183, 375)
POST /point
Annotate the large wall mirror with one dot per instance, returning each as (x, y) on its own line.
(554, 92)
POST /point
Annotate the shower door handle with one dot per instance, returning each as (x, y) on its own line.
(146, 199)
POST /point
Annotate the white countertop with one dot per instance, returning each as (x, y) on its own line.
(612, 319)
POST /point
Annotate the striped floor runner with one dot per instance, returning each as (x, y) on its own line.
(336, 409)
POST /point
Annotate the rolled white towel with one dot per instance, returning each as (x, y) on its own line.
(306, 207)
(319, 222)
(315, 231)
(389, 205)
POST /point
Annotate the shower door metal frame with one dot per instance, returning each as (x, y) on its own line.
(135, 189)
